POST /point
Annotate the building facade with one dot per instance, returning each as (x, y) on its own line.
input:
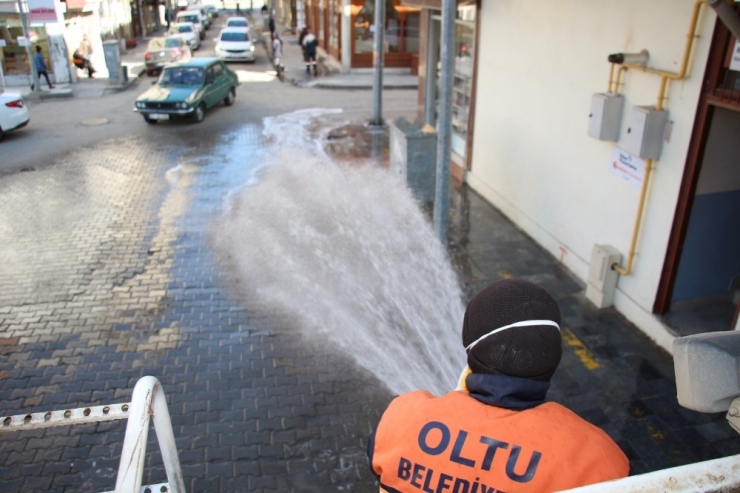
(660, 188)
(345, 30)
(97, 20)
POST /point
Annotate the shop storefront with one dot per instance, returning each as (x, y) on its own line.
(402, 31)
(402, 23)
(464, 76)
(14, 59)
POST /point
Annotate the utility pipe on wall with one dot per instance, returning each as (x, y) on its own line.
(650, 163)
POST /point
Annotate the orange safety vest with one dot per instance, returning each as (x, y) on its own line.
(457, 444)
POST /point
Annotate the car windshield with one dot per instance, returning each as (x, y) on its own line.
(188, 76)
(190, 18)
(237, 23)
(230, 36)
(172, 43)
(185, 29)
(156, 44)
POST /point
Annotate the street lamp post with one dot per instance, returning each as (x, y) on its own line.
(441, 195)
(378, 57)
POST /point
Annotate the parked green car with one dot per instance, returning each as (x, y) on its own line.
(187, 89)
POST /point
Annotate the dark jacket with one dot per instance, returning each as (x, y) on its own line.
(39, 62)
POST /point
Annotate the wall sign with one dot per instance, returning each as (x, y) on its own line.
(735, 61)
(628, 167)
(42, 11)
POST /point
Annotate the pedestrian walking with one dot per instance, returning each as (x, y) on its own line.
(271, 25)
(302, 35)
(277, 55)
(40, 64)
(496, 432)
(309, 44)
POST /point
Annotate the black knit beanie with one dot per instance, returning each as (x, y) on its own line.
(524, 351)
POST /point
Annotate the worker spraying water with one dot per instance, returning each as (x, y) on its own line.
(348, 255)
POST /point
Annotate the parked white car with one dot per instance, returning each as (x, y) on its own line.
(235, 44)
(188, 32)
(193, 16)
(13, 112)
(236, 21)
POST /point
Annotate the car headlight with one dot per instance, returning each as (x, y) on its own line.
(182, 106)
(251, 47)
(140, 104)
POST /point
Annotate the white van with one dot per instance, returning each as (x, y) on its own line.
(193, 16)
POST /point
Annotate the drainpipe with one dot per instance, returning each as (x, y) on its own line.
(727, 15)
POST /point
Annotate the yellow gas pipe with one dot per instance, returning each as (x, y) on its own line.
(650, 163)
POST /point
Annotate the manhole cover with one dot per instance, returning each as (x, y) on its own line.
(95, 121)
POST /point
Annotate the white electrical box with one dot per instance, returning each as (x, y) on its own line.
(602, 279)
(605, 116)
(645, 131)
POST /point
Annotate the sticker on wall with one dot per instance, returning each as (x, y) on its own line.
(628, 167)
(735, 62)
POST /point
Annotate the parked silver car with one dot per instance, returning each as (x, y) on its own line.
(161, 51)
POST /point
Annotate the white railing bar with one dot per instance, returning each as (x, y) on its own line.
(152, 488)
(701, 477)
(90, 414)
(148, 401)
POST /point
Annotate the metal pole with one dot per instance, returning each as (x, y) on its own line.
(441, 196)
(378, 55)
(29, 51)
(430, 86)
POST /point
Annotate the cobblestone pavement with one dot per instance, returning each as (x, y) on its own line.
(108, 275)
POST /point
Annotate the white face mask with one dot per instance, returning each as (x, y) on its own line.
(524, 323)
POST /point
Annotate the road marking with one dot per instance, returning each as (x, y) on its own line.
(579, 348)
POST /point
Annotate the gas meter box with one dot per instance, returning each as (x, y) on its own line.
(645, 131)
(605, 116)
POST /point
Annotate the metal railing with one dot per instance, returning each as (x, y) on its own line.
(147, 403)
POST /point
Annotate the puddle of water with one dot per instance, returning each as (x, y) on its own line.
(347, 254)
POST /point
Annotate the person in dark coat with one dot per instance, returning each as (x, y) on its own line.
(40, 64)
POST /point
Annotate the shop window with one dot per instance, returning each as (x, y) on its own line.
(14, 56)
(462, 85)
(401, 28)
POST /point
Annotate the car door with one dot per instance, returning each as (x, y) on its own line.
(211, 93)
(221, 80)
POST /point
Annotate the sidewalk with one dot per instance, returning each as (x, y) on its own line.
(132, 59)
(330, 69)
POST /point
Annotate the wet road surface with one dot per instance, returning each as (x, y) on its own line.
(109, 274)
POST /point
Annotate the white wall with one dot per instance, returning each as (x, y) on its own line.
(540, 63)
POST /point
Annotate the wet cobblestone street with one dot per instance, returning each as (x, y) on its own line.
(110, 274)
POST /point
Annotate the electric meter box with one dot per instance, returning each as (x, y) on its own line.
(605, 116)
(602, 279)
(645, 131)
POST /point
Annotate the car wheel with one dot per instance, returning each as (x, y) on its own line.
(200, 113)
(230, 97)
(149, 120)
(1, 133)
